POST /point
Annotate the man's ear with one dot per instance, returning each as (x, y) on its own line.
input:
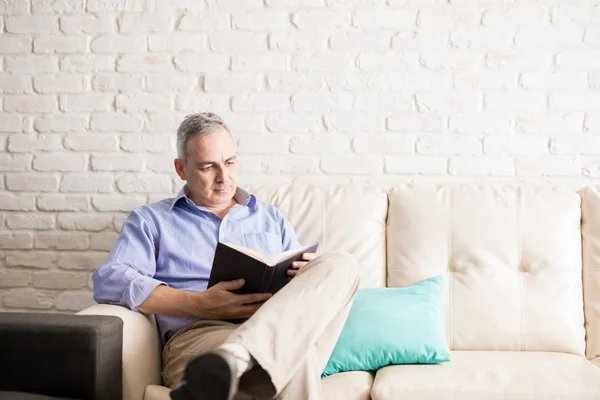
(178, 163)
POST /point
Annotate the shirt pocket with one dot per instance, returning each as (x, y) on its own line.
(267, 243)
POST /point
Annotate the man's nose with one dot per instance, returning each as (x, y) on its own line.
(220, 174)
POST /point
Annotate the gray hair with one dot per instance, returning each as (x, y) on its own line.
(195, 125)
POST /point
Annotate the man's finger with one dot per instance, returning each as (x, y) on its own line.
(254, 297)
(232, 285)
(292, 272)
(309, 256)
(298, 264)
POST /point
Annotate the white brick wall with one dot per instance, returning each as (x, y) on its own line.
(341, 91)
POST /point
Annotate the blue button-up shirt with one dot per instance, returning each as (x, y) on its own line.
(173, 242)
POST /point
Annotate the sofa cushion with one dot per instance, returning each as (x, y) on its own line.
(512, 256)
(389, 326)
(339, 218)
(492, 375)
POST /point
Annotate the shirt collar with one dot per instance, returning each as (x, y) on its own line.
(242, 196)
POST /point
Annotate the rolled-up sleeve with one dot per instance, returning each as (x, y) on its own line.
(127, 276)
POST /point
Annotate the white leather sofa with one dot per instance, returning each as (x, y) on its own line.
(522, 266)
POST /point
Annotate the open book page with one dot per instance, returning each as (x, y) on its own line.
(260, 257)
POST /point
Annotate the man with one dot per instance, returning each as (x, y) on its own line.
(161, 261)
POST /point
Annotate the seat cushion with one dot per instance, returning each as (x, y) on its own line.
(492, 376)
(354, 385)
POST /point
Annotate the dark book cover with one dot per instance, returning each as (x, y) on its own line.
(230, 264)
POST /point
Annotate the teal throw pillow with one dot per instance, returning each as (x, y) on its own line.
(389, 326)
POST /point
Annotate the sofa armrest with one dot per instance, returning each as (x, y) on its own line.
(596, 361)
(61, 355)
(141, 349)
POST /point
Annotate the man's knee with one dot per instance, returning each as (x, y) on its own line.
(340, 261)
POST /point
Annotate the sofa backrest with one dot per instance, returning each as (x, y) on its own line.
(340, 218)
(511, 258)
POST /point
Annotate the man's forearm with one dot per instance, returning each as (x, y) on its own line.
(166, 300)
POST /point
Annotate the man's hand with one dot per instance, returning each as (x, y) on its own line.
(219, 303)
(296, 265)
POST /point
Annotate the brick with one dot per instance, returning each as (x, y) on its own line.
(358, 40)
(118, 82)
(516, 145)
(416, 123)
(88, 63)
(515, 101)
(117, 162)
(31, 259)
(453, 16)
(10, 278)
(417, 39)
(162, 122)
(456, 101)
(146, 143)
(321, 101)
(575, 102)
(592, 35)
(383, 144)
(592, 123)
(14, 162)
(177, 41)
(31, 65)
(59, 280)
(13, 7)
(388, 61)
(143, 102)
(377, 102)
(200, 101)
(160, 163)
(20, 182)
(116, 122)
(234, 5)
(481, 166)
(86, 102)
(261, 20)
(294, 3)
(321, 18)
(251, 164)
(62, 241)
(16, 240)
(480, 124)
(352, 165)
(459, 59)
(75, 301)
(553, 80)
(541, 35)
(62, 83)
(51, 202)
(119, 220)
(80, 260)
(87, 23)
(518, 59)
(31, 24)
(15, 84)
(448, 145)
(114, 5)
(578, 59)
(237, 41)
(171, 83)
(416, 165)
(550, 123)
(15, 45)
(30, 221)
(86, 183)
(90, 222)
(591, 168)
(482, 37)
(57, 6)
(288, 164)
(232, 82)
(201, 62)
(124, 203)
(205, 21)
(177, 5)
(547, 165)
(91, 142)
(60, 44)
(568, 145)
(287, 82)
(302, 40)
(29, 298)
(321, 144)
(118, 44)
(145, 22)
(260, 62)
(295, 123)
(30, 103)
(590, 145)
(244, 122)
(355, 123)
(60, 162)
(377, 18)
(29, 143)
(144, 184)
(364, 81)
(12, 123)
(103, 241)
(577, 14)
(10, 202)
(528, 15)
(262, 144)
(261, 102)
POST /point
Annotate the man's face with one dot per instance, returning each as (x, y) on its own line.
(210, 169)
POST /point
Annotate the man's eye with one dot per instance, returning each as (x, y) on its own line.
(206, 169)
(230, 162)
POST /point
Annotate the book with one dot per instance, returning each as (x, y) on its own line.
(262, 275)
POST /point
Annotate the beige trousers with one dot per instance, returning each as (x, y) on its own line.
(291, 336)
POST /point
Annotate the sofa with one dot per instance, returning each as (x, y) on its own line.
(522, 270)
